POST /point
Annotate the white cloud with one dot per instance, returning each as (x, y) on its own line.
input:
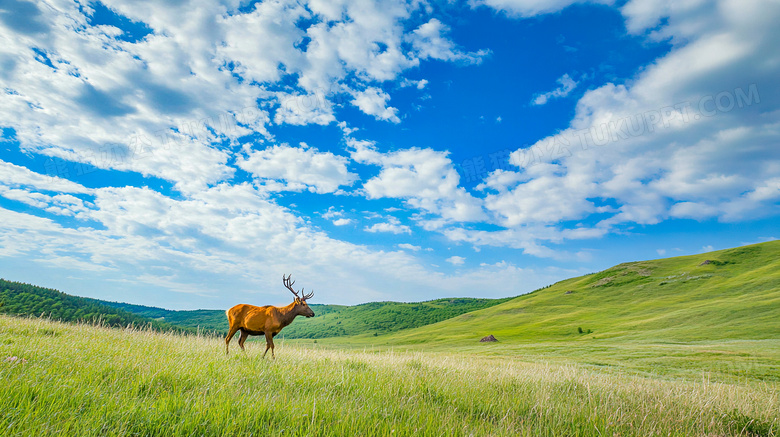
(456, 260)
(426, 178)
(419, 84)
(543, 197)
(177, 104)
(193, 84)
(693, 135)
(373, 101)
(530, 8)
(343, 222)
(429, 42)
(14, 176)
(226, 233)
(567, 85)
(303, 109)
(411, 247)
(299, 168)
(332, 213)
(392, 225)
(530, 239)
(229, 238)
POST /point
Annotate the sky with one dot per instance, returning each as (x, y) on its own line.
(187, 154)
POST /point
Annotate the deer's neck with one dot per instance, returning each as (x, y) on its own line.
(287, 314)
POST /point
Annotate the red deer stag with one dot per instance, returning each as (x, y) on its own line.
(268, 320)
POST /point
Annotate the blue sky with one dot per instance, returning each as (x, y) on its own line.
(187, 154)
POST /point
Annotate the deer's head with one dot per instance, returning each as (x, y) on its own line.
(301, 307)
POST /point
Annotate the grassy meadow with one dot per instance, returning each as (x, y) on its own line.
(81, 380)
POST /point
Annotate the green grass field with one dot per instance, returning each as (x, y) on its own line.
(686, 346)
(83, 380)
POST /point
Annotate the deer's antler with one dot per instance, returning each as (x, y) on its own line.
(288, 284)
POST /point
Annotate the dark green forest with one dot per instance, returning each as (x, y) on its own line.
(20, 299)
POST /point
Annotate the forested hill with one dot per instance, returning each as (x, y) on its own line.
(382, 317)
(330, 321)
(20, 299)
(203, 320)
(333, 320)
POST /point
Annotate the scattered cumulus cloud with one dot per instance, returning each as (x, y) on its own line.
(456, 260)
(531, 8)
(429, 41)
(425, 178)
(392, 225)
(343, 222)
(298, 168)
(567, 85)
(651, 161)
(373, 101)
(691, 135)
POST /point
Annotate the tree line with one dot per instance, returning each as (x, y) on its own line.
(22, 299)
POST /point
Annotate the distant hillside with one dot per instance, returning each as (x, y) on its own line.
(727, 294)
(203, 320)
(332, 320)
(20, 299)
(382, 317)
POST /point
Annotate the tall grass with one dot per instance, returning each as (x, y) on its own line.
(91, 381)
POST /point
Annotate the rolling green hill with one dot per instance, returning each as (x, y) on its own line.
(332, 320)
(209, 321)
(731, 294)
(382, 317)
(728, 294)
(21, 299)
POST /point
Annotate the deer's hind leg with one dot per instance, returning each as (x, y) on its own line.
(269, 344)
(242, 339)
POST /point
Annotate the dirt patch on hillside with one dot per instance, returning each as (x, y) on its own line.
(603, 281)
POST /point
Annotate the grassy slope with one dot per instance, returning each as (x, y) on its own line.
(668, 317)
(735, 297)
(383, 317)
(64, 379)
(333, 320)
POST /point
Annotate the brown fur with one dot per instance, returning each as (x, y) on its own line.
(266, 320)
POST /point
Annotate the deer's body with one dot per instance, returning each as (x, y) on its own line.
(266, 320)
